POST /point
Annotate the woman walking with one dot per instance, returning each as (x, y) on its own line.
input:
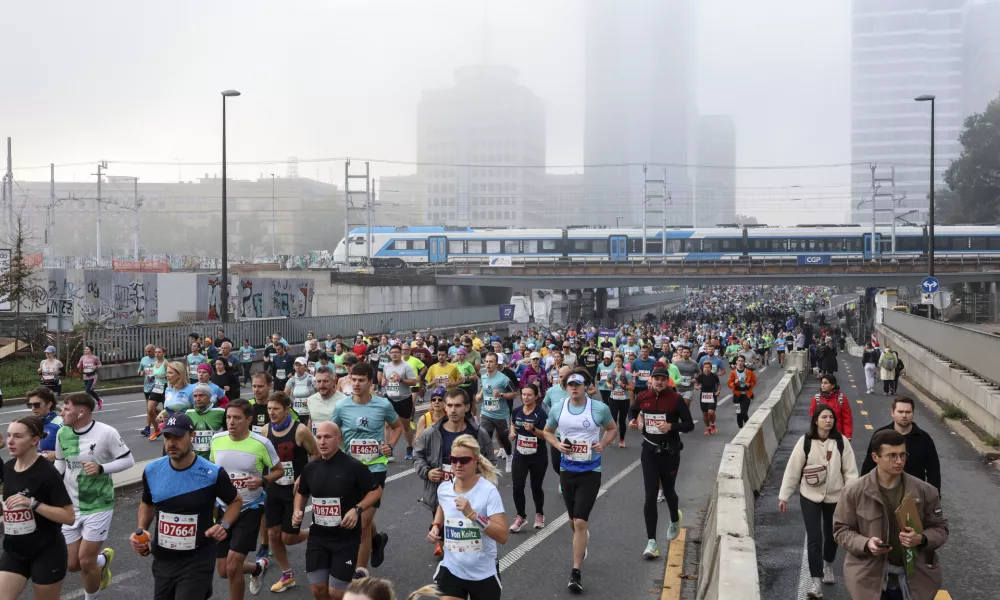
(869, 361)
(887, 370)
(821, 466)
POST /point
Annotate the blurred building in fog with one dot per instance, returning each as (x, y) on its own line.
(715, 179)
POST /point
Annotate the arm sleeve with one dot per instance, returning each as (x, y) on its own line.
(935, 525)
(847, 417)
(684, 421)
(845, 525)
(56, 494)
(812, 407)
(494, 503)
(224, 488)
(272, 455)
(848, 464)
(60, 460)
(420, 462)
(390, 413)
(119, 464)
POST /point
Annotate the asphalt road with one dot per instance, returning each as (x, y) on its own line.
(969, 490)
(534, 563)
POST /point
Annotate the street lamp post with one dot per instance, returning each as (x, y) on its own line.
(274, 224)
(930, 216)
(224, 284)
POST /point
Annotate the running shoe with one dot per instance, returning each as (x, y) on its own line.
(539, 520)
(262, 552)
(287, 581)
(675, 528)
(155, 434)
(708, 430)
(651, 551)
(621, 444)
(409, 453)
(109, 555)
(438, 551)
(379, 543)
(828, 577)
(575, 584)
(360, 573)
(519, 523)
(660, 497)
(100, 404)
(145, 431)
(255, 580)
(510, 465)
(715, 429)
(815, 591)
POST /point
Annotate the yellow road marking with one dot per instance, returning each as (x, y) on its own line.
(864, 412)
(860, 402)
(869, 427)
(675, 568)
(942, 595)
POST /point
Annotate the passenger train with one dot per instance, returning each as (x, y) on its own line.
(409, 246)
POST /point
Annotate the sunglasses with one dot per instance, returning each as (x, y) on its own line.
(460, 460)
(436, 399)
(34, 404)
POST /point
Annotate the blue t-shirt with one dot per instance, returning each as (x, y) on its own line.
(553, 395)
(718, 366)
(193, 360)
(601, 414)
(447, 438)
(179, 400)
(146, 370)
(642, 370)
(496, 408)
(363, 426)
(603, 372)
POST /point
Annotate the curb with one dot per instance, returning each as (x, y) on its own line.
(116, 391)
(987, 453)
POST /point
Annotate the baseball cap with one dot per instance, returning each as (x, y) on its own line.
(301, 361)
(608, 354)
(438, 392)
(178, 424)
(50, 350)
(535, 355)
(661, 372)
(531, 346)
(575, 378)
(204, 367)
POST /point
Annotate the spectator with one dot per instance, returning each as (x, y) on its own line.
(921, 454)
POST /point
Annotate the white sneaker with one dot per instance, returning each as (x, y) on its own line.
(814, 589)
(660, 497)
(510, 465)
(828, 577)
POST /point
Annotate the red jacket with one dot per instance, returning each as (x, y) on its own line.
(841, 409)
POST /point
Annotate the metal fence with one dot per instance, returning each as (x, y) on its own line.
(974, 350)
(126, 344)
(641, 300)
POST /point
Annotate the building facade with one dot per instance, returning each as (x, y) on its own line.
(715, 185)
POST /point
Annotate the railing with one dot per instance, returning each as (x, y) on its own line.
(973, 350)
(640, 300)
(127, 344)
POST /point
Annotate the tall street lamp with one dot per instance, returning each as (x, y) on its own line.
(224, 295)
(274, 224)
(930, 217)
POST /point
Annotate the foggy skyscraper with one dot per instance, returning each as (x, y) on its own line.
(639, 102)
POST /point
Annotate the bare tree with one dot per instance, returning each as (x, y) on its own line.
(17, 279)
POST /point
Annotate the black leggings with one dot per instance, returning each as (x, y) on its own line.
(743, 402)
(88, 385)
(536, 468)
(501, 429)
(245, 367)
(888, 386)
(556, 457)
(659, 469)
(619, 414)
(820, 545)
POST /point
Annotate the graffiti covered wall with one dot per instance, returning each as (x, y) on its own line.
(256, 297)
(71, 296)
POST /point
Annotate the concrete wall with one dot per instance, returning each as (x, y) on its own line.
(728, 554)
(943, 379)
(70, 296)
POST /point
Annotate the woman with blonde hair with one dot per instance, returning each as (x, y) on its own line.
(179, 395)
(376, 588)
(470, 521)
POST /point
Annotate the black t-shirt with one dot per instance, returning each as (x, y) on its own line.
(709, 383)
(260, 416)
(522, 439)
(447, 438)
(336, 485)
(282, 368)
(183, 503)
(589, 358)
(27, 533)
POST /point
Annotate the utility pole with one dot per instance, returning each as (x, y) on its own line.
(369, 198)
(666, 201)
(9, 192)
(50, 214)
(349, 204)
(274, 224)
(102, 165)
(647, 198)
(138, 205)
(893, 201)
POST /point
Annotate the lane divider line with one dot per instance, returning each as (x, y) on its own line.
(805, 578)
(674, 569)
(115, 579)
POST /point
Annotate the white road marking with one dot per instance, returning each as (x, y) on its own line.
(805, 578)
(96, 412)
(555, 525)
(115, 579)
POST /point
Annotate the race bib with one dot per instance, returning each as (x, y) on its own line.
(48, 377)
(289, 476)
(527, 444)
(300, 406)
(618, 394)
(715, 367)
(579, 450)
(245, 357)
(240, 480)
(642, 375)
(88, 370)
(447, 473)
(462, 535)
(555, 378)
(653, 421)
(177, 532)
(382, 362)
(18, 521)
(441, 381)
(326, 512)
(159, 388)
(491, 404)
(258, 429)
(279, 374)
(148, 372)
(392, 389)
(365, 449)
(202, 441)
(708, 397)
(685, 381)
(603, 376)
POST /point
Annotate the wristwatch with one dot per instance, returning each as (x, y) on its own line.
(224, 525)
(34, 505)
(360, 510)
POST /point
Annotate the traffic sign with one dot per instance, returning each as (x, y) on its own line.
(929, 285)
(941, 300)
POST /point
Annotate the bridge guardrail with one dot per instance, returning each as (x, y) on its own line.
(973, 350)
(127, 343)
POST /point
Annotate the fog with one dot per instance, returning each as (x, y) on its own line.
(137, 84)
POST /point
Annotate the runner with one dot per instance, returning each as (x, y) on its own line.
(35, 503)
(87, 454)
(420, 368)
(206, 418)
(553, 397)
(434, 414)
(708, 388)
(580, 420)
(322, 403)
(398, 377)
(742, 381)
(156, 381)
(42, 403)
(624, 388)
(247, 354)
(88, 365)
(50, 370)
(180, 490)
(177, 397)
(780, 345)
(497, 391)
(299, 387)
(432, 451)
(688, 369)
(442, 373)
(642, 368)
(294, 443)
(195, 358)
(261, 386)
(342, 490)
(663, 416)
(469, 521)
(362, 419)
(244, 455)
(280, 365)
(529, 457)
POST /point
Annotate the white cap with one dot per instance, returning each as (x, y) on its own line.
(301, 361)
(535, 355)
(608, 354)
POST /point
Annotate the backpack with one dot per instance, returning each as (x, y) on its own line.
(807, 445)
(889, 361)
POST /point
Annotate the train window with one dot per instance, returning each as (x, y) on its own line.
(691, 245)
(994, 243)
(709, 245)
(512, 247)
(492, 246)
(600, 247)
(636, 246)
(673, 245)
(530, 246)
(978, 242)
(581, 246)
(654, 247)
(909, 244)
(549, 245)
(419, 244)
(475, 247)
(399, 245)
(944, 243)
(854, 244)
(456, 247)
(731, 244)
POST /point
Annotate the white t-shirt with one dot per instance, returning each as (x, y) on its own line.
(469, 553)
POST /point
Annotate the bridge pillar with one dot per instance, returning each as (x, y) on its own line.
(601, 305)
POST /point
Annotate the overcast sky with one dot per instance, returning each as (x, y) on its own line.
(139, 81)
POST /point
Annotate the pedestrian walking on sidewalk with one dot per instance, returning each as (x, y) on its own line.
(822, 464)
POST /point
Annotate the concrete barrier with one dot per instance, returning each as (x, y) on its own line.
(853, 348)
(728, 554)
(939, 377)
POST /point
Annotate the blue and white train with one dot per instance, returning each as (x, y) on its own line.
(409, 246)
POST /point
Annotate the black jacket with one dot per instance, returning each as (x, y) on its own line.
(870, 356)
(922, 460)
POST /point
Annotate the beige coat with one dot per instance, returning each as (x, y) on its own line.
(841, 471)
(860, 516)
